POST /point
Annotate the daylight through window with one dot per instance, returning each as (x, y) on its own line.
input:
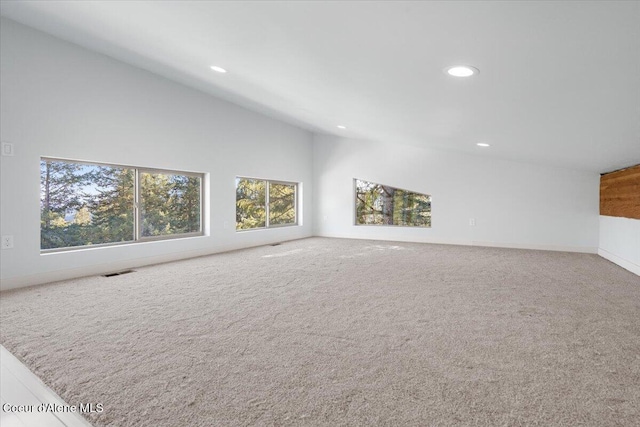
(84, 204)
(261, 203)
(378, 204)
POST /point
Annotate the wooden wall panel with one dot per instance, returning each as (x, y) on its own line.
(620, 193)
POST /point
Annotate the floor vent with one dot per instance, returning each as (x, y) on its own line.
(119, 273)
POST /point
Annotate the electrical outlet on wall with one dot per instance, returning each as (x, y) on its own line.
(7, 148)
(7, 242)
(472, 222)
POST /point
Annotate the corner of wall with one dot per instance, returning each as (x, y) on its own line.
(620, 242)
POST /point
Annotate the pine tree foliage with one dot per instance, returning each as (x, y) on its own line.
(170, 204)
(60, 184)
(282, 199)
(111, 207)
(252, 200)
(251, 211)
(384, 205)
(92, 204)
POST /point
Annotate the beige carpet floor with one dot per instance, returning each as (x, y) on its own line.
(342, 333)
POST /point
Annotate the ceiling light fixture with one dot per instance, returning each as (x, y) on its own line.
(462, 71)
(218, 69)
(341, 127)
(483, 144)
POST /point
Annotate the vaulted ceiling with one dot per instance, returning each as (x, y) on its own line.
(559, 82)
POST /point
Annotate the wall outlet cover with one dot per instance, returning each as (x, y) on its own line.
(7, 148)
(7, 242)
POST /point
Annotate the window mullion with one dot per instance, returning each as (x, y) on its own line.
(266, 202)
(138, 216)
(202, 204)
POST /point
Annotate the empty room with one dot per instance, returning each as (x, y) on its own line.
(320, 213)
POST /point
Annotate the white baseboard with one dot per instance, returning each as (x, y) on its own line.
(556, 248)
(624, 263)
(55, 276)
(92, 270)
(440, 241)
(111, 267)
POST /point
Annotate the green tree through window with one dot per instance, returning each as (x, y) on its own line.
(282, 203)
(170, 204)
(263, 203)
(379, 204)
(90, 204)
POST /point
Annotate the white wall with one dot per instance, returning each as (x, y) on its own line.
(620, 242)
(514, 204)
(60, 100)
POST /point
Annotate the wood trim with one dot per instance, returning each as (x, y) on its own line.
(620, 193)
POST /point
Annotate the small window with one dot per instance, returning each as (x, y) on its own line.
(85, 204)
(378, 204)
(263, 203)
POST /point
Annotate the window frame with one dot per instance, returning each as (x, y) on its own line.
(267, 223)
(355, 207)
(137, 214)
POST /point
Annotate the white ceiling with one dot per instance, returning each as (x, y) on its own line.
(559, 82)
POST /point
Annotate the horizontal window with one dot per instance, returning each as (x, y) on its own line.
(84, 204)
(378, 204)
(262, 203)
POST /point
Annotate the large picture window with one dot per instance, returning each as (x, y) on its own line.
(378, 204)
(262, 203)
(85, 204)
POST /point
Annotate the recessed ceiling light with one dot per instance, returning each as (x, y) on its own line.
(482, 144)
(341, 127)
(218, 69)
(462, 71)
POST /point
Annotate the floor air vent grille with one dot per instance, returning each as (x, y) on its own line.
(119, 273)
